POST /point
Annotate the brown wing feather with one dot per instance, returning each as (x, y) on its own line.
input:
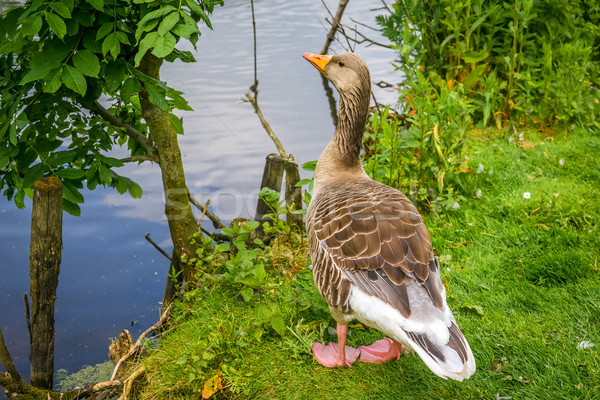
(372, 236)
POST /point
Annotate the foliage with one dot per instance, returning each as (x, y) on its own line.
(254, 284)
(520, 61)
(57, 58)
(423, 155)
(523, 315)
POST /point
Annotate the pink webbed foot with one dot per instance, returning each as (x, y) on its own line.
(328, 356)
(381, 351)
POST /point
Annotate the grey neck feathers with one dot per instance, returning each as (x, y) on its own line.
(353, 111)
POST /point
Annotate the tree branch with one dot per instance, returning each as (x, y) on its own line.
(157, 247)
(334, 25)
(138, 342)
(266, 125)
(137, 159)
(364, 38)
(8, 364)
(129, 130)
(215, 220)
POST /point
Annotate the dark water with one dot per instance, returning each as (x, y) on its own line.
(110, 276)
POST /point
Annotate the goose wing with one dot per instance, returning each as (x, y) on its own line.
(371, 235)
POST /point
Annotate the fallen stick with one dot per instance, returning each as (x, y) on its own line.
(138, 343)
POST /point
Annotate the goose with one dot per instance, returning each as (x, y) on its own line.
(371, 252)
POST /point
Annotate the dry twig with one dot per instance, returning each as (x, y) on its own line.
(138, 343)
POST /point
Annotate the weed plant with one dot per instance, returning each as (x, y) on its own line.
(522, 61)
(519, 260)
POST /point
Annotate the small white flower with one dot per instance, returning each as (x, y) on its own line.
(478, 193)
(455, 206)
(480, 168)
(510, 139)
(584, 344)
(526, 195)
(521, 136)
(561, 162)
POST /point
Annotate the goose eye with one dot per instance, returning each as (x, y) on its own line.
(341, 64)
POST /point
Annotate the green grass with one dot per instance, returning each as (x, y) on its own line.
(522, 277)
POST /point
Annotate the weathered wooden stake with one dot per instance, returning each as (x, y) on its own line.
(272, 178)
(293, 194)
(44, 266)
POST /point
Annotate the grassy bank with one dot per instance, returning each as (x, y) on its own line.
(520, 263)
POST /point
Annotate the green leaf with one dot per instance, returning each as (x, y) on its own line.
(278, 324)
(70, 173)
(61, 157)
(247, 293)
(146, 44)
(56, 24)
(309, 165)
(135, 190)
(71, 208)
(12, 134)
(157, 96)
(113, 162)
(114, 74)
(164, 45)
(104, 30)
(74, 80)
(111, 44)
(34, 74)
(168, 23)
(186, 28)
(32, 25)
(122, 38)
(153, 15)
(262, 313)
(71, 193)
(130, 87)
(97, 4)
(197, 9)
(176, 122)
(471, 56)
(105, 175)
(157, 13)
(61, 9)
(121, 185)
(87, 63)
(55, 81)
(33, 174)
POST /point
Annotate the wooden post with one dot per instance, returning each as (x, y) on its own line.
(44, 266)
(293, 194)
(272, 178)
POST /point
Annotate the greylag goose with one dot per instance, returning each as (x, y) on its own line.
(371, 252)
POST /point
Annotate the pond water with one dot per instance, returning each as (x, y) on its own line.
(111, 278)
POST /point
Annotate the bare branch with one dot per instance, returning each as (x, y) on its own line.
(27, 315)
(215, 220)
(266, 125)
(138, 343)
(8, 364)
(365, 39)
(335, 23)
(386, 6)
(129, 130)
(137, 159)
(128, 383)
(157, 247)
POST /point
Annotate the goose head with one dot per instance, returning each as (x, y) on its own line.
(346, 71)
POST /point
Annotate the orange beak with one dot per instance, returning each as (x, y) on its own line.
(319, 61)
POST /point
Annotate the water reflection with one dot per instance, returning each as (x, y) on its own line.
(110, 276)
